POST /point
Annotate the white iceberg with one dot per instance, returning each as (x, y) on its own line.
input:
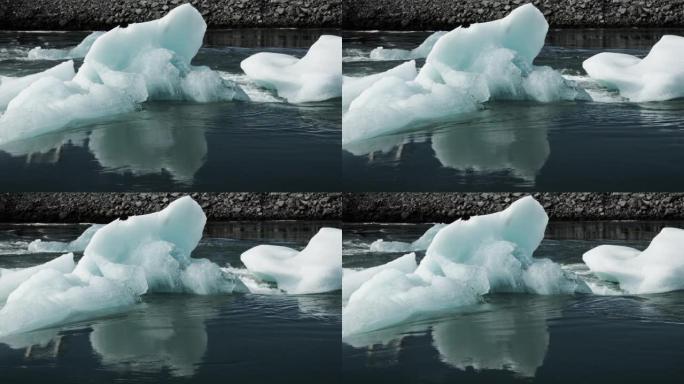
(315, 269)
(419, 52)
(78, 245)
(123, 68)
(124, 260)
(469, 66)
(658, 76)
(421, 244)
(467, 259)
(352, 87)
(659, 268)
(315, 77)
(77, 52)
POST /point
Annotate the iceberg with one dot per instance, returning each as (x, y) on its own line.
(419, 52)
(10, 279)
(78, 245)
(124, 260)
(352, 87)
(123, 68)
(420, 244)
(659, 268)
(77, 52)
(657, 77)
(315, 269)
(466, 260)
(315, 77)
(353, 279)
(469, 66)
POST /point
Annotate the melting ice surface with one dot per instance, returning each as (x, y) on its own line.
(123, 68)
(465, 68)
(464, 261)
(420, 244)
(659, 268)
(123, 260)
(315, 269)
(658, 76)
(315, 77)
(420, 52)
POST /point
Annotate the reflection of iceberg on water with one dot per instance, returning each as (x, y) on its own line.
(146, 148)
(511, 337)
(165, 334)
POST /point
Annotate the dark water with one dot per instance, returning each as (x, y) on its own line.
(256, 146)
(526, 338)
(564, 146)
(240, 338)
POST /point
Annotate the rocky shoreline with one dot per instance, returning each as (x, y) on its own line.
(104, 14)
(103, 207)
(448, 14)
(566, 206)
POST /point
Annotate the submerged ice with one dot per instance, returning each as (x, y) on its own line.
(465, 68)
(420, 52)
(420, 244)
(658, 76)
(124, 260)
(123, 68)
(466, 260)
(315, 269)
(315, 77)
(78, 245)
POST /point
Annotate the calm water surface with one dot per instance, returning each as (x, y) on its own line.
(526, 338)
(241, 338)
(256, 146)
(564, 146)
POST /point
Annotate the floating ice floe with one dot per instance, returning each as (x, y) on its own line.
(465, 68)
(123, 68)
(466, 260)
(659, 268)
(10, 87)
(124, 260)
(658, 76)
(315, 269)
(78, 245)
(421, 244)
(419, 52)
(77, 52)
(315, 77)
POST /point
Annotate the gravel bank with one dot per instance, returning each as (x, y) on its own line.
(448, 14)
(447, 207)
(103, 207)
(103, 14)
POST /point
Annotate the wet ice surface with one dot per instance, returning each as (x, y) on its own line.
(181, 145)
(183, 338)
(517, 337)
(525, 145)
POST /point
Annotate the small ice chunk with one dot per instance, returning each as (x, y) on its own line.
(78, 245)
(658, 76)
(352, 87)
(77, 52)
(659, 268)
(419, 52)
(315, 77)
(10, 87)
(317, 268)
(420, 244)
